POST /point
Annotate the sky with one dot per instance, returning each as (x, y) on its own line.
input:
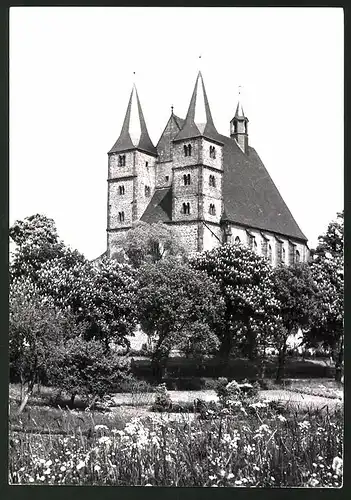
(71, 75)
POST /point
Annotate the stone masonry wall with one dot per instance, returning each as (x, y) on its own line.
(162, 170)
(188, 235)
(145, 171)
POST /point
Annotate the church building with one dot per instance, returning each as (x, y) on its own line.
(212, 189)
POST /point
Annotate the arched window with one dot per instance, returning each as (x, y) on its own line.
(297, 256)
(283, 254)
(186, 179)
(147, 190)
(121, 189)
(270, 253)
(186, 208)
(212, 181)
(237, 240)
(212, 152)
(122, 160)
(121, 216)
(187, 150)
(212, 209)
(254, 245)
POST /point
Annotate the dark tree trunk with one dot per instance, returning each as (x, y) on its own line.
(281, 363)
(339, 356)
(73, 396)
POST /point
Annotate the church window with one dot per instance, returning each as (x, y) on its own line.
(212, 152)
(297, 256)
(270, 253)
(187, 150)
(212, 181)
(212, 209)
(237, 240)
(186, 208)
(291, 253)
(121, 189)
(264, 247)
(250, 240)
(147, 190)
(122, 160)
(146, 164)
(187, 180)
(254, 245)
(167, 178)
(121, 216)
(283, 255)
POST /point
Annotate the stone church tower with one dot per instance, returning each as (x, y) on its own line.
(212, 189)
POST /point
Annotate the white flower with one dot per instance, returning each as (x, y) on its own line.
(337, 466)
(80, 465)
(100, 426)
(48, 463)
(212, 478)
(281, 418)
(62, 468)
(97, 468)
(313, 482)
(31, 480)
(104, 439)
(230, 475)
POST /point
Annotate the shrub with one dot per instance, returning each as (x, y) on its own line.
(163, 401)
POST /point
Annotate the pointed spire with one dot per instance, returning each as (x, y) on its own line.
(239, 113)
(198, 121)
(134, 134)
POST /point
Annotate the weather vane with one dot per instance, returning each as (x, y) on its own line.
(172, 109)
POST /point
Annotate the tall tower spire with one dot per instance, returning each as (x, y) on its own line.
(134, 134)
(198, 121)
(238, 126)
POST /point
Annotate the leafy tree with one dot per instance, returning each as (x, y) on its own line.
(37, 242)
(83, 368)
(251, 308)
(296, 291)
(35, 325)
(328, 318)
(151, 243)
(178, 307)
(331, 244)
(327, 267)
(102, 296)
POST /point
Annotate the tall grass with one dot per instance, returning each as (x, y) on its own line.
(257, 448)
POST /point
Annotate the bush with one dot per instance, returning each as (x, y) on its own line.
(163, 401)
(133, 385)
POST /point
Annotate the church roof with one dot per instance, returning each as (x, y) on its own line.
(134, 134)
(160, 207)
(164, 145)
(250, 195)
(198, 121)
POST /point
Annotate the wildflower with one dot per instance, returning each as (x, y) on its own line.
(148, 484)
(97, 468)
(314, 465)
(337, 466)
(48, 463)
(42, 478)
(31, 480)
(212, 478)
(313, 482)
(281, 418)
(47, 471)
(104, 439)
(238, 482)
(80, 465)
(62, 468)
(100, 427)
(305, 425)
(230, 475)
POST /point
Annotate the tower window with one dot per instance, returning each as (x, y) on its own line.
(297, 256)
(147, 190)
(121, 216)
(122, 160)
(186, 179)
(167, 178)
(187, 150)
(121, 189)
(237, 240)
(146, 164)
(186, 208)
(212, 152)
(212, 209)
(212, 181)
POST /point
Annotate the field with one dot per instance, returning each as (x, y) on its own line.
(288, 435)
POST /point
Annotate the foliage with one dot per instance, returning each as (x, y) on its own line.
(252, 310)
(262, 449)
(177, 307)
(102, 296)
(163, 401)
(84, 368)
(331, 244)
(37, 242)
(35, 325)
(151, 243)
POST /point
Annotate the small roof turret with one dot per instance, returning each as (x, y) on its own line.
(134, 134)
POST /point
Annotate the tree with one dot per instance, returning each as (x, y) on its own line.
(151, 243)
(178, 307)
(296, 290)
(251, 308)
(83, 368)
(102, 296)
(37, 242)
(327, 267)
(35, 325)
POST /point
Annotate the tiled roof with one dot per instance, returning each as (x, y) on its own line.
(134, 134)
(250, 196)
(160, 207)
(164, 145)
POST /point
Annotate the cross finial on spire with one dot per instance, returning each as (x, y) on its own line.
(172, 109)
(239, 89)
